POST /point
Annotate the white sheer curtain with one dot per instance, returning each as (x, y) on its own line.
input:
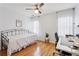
(65, 22)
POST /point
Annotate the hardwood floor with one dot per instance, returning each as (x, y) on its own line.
(37, 49)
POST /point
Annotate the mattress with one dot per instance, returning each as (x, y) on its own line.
(17, 42)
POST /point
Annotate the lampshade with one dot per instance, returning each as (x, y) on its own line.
(36, 11)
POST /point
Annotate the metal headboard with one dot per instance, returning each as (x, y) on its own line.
(12, 32)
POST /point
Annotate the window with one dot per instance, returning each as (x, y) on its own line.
(36, 27)
(65, 22)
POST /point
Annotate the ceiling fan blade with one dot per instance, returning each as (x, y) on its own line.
(36, 6)
(28, 9)
(40, 12)
(41, 4)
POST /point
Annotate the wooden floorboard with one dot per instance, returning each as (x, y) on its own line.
(38, 49)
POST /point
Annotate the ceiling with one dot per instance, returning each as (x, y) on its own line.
(46, 9)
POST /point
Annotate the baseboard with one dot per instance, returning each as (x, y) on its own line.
(51, 41)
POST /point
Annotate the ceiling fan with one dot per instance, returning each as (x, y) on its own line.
(36, 8)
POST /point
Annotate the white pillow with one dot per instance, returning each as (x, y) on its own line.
(64, 41)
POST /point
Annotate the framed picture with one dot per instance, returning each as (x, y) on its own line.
(18, 23)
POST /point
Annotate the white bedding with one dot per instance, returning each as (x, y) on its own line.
(65, 45)
(19, 41)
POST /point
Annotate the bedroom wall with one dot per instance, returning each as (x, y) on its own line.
(48, 23)
(8, 19)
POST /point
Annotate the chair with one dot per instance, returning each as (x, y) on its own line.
(57, 39)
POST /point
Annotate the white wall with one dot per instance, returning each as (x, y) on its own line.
(48, 23)
(8, 19)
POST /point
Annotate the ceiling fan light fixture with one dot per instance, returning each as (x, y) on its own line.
(36, 11)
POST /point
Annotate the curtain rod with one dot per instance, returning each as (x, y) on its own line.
(65, 9)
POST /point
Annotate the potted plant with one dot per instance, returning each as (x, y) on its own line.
(47, 36)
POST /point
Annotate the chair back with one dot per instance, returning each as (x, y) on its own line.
(57, 38)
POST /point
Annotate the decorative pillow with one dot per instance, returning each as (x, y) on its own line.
(65, 41)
